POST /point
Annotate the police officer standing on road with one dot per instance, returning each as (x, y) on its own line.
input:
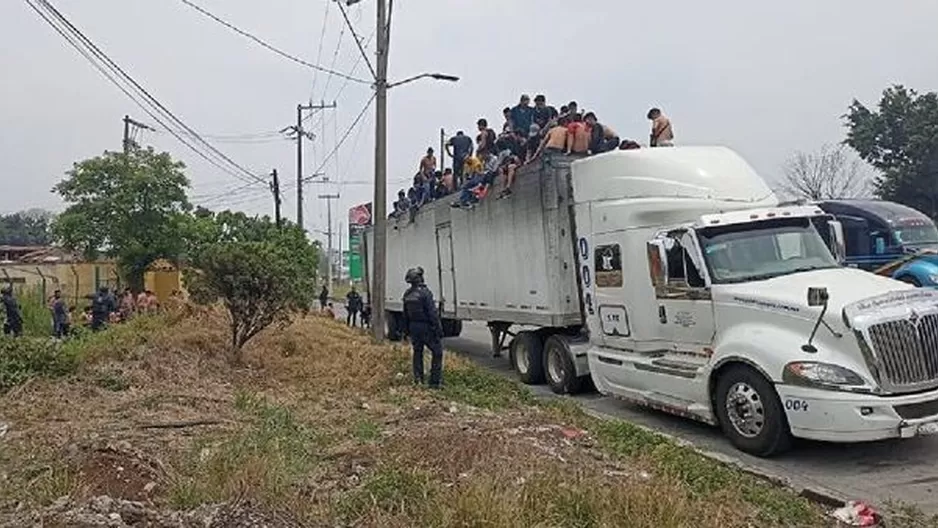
(423, 325)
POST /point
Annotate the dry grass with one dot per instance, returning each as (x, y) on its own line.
(324, 424)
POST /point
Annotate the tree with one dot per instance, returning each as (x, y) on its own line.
(827, 174)
(260, 273)
(900, 139)
(127, 206)
(26, 228)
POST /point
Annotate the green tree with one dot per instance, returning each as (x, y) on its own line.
(900, 138)
(126, 206)
(261, 274)
(26, 228)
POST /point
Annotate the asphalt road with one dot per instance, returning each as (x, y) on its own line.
(876, 472)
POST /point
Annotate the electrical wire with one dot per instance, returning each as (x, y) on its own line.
(270, 47)
(95, 57)
(322, 39)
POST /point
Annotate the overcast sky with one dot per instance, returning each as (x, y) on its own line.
(762, 78)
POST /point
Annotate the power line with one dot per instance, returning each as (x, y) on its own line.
(84, 45)
(270, 47)
(322, 39)
(95, 55)
(335, 57)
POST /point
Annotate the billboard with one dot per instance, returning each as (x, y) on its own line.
(359, 217)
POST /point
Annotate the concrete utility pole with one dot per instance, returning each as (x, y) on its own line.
(275, 188)
(328, 198)
(300, 133)
(379, 204)
(128, 141)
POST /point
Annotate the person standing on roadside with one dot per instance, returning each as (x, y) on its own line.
(323, 297)
(353, 304)
(424, 327)
(59, 315)
(14, 318)
(102, 306)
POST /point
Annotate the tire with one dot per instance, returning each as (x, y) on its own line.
(559, 370)
(769, 435)
(527, 358)
(395, 332)
(451, 327)
(908, 279)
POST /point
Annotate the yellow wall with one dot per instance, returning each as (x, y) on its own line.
(75, 280)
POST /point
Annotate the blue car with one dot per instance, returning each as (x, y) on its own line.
(878, 233)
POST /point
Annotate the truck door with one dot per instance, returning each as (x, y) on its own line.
(444, 249)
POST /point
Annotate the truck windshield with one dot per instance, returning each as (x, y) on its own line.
(916, 234)
(763, 250)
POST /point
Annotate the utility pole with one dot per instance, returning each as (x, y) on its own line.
(379, 204)
(328, 198)
(300, 134)
(128, 141)
(275, 188)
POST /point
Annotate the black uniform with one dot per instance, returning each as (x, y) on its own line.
(102, 305)
(423, 325)
(14, 320)
(353, 304)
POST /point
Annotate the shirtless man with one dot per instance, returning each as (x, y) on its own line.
(662, 135)
(428, 164)
(578, 137)
(555, 141)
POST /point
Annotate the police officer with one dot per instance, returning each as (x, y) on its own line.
(14, 319)
(423, 325)
(102, 305)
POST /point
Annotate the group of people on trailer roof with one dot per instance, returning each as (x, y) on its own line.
(528, 133)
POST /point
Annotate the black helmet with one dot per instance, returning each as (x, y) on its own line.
(414, 275)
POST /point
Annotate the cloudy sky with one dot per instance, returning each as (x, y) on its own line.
(763, 78)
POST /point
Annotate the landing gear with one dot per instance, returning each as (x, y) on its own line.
(499, 331)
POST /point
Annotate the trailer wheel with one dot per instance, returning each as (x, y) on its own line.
(395, 332)
(451, 327)
(750, 412)
(527, 357)
(558, 367)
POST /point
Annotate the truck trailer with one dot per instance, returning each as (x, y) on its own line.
(673, 278)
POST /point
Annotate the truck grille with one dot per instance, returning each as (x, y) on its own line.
(906, 351)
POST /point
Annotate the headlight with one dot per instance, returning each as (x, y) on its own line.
(812, 374)
(933, 279)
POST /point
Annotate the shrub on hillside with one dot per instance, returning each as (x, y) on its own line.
(25, 358)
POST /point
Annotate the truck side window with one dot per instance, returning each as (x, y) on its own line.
(682, 271)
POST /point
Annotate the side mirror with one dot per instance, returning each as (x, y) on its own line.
(657, 262)
(817, 296)
(837, 239)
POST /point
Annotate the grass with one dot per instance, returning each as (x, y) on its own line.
(323, 424)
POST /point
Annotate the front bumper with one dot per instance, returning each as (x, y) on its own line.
(847, 417)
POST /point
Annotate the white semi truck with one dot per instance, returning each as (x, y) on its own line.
(672, 278)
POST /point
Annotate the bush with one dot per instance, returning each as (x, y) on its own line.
(25, 358)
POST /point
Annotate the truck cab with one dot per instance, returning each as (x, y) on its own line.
(706, 299)
(880, 232)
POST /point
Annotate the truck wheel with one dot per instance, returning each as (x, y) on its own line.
(559, 369)
(527, 358)
(394, 326)
(750, 412)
